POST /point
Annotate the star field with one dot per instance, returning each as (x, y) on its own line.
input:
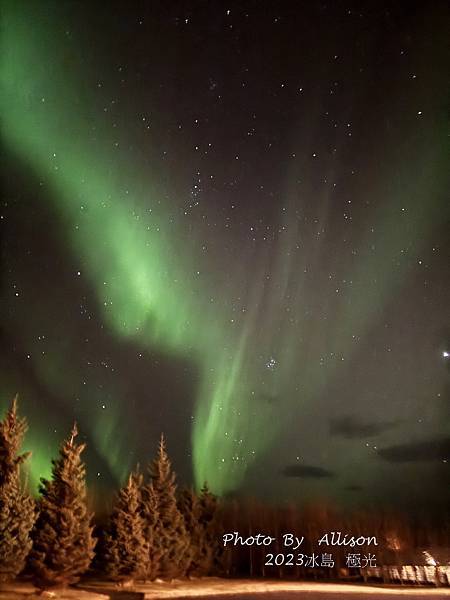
(229, 222)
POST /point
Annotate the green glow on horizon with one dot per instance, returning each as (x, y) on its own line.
(39, 465)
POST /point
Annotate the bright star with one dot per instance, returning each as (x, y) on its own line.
(271, 363)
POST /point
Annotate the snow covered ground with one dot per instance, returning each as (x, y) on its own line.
(236, 588)
(232, 589)
(25, 591)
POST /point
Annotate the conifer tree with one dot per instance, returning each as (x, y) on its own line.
(189, 506)
(126, 550)
(171, 543)
(17, 509)
(199, 514)
(149, 512)
(63, 544)
(208, 520)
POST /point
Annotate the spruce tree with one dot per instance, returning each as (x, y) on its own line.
(17, 509)
(63, 544)
(126, 550)
(189, 506)
(149, 512)
(208, 508)
(208, 520)
(171, 543)
(199, 514)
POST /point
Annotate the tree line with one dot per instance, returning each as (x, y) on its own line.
(155, 531)
(152, 531)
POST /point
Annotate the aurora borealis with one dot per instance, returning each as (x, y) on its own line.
(230, 223)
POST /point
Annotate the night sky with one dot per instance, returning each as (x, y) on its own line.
(230, 222)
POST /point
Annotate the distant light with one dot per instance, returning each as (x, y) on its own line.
(446, 354)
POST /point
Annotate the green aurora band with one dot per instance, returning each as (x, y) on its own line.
(135, 259)
(144, 291)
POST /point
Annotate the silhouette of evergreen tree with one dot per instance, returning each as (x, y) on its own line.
(150, 515)
(63, 544)
(171, 544)
(199, 513)
(126, 549)
(17, 508)
(208, 518)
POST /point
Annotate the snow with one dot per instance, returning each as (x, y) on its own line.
(209, 586)
(25, 591)
(99, 590)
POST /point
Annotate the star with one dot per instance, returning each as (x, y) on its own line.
(271, 364)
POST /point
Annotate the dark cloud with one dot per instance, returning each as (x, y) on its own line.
(430, 450)
(306, 471)
(351, 427)
(354, 488)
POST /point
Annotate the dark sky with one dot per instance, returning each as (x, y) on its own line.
(230, 222)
